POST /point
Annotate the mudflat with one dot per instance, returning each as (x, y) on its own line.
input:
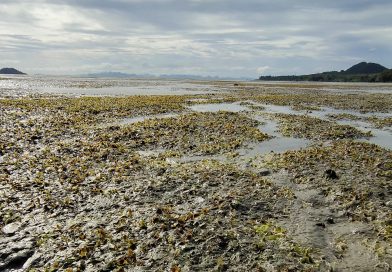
(165, 175)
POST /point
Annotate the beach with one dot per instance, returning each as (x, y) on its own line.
(181, 175)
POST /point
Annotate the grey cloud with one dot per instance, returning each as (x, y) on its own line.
(227, 37)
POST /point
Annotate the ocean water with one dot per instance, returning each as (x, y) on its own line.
(74, 86)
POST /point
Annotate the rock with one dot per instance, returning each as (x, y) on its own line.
(320, 225)
(389, 204)
(199, 199)
(264, 172)
(10, 229)
(331, 174)
(33, 259)
(330, 220)
(16, 260)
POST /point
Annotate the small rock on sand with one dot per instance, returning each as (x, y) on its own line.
(10, 229)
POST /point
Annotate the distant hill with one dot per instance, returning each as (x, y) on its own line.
(110, 74)
(366, 68)
(11, 71)
(361, 72)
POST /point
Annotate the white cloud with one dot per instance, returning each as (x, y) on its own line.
(262, 69)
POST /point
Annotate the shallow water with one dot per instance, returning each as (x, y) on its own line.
(153, 90)
(277, 109)
(93, 86)
(280, 143)
(325, 111)
(381, 137)
(233, 107)
(277, 144)
(334, 87)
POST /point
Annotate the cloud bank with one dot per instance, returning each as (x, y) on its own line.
(201, 37)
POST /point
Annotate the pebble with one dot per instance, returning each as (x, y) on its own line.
(331, 174)
(330, 220)
(264, 172)
(11, 229)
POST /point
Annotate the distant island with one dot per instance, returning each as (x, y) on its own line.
(10, 71)
(113, 74)
(361, 72)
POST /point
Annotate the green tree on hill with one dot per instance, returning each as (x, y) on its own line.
(386, 76)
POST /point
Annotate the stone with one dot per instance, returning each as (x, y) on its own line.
(264, 172)
(33, 259)
(11, 228)
(16, 260)
(330, 220)
(331, 174)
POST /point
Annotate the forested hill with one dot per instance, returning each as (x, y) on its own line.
(366, 68)
(361, 72)
(11, 71)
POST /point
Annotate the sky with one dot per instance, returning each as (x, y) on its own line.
(228, 38)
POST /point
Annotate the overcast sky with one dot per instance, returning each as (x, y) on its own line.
(200, 37)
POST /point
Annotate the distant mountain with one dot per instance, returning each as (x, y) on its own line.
(163, 76)
(11, 71)
(361, 72)
(115, 74)
(181, 76)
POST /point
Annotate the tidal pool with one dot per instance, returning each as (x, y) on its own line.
(233, 107)
(381, 137)
(278, 143)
